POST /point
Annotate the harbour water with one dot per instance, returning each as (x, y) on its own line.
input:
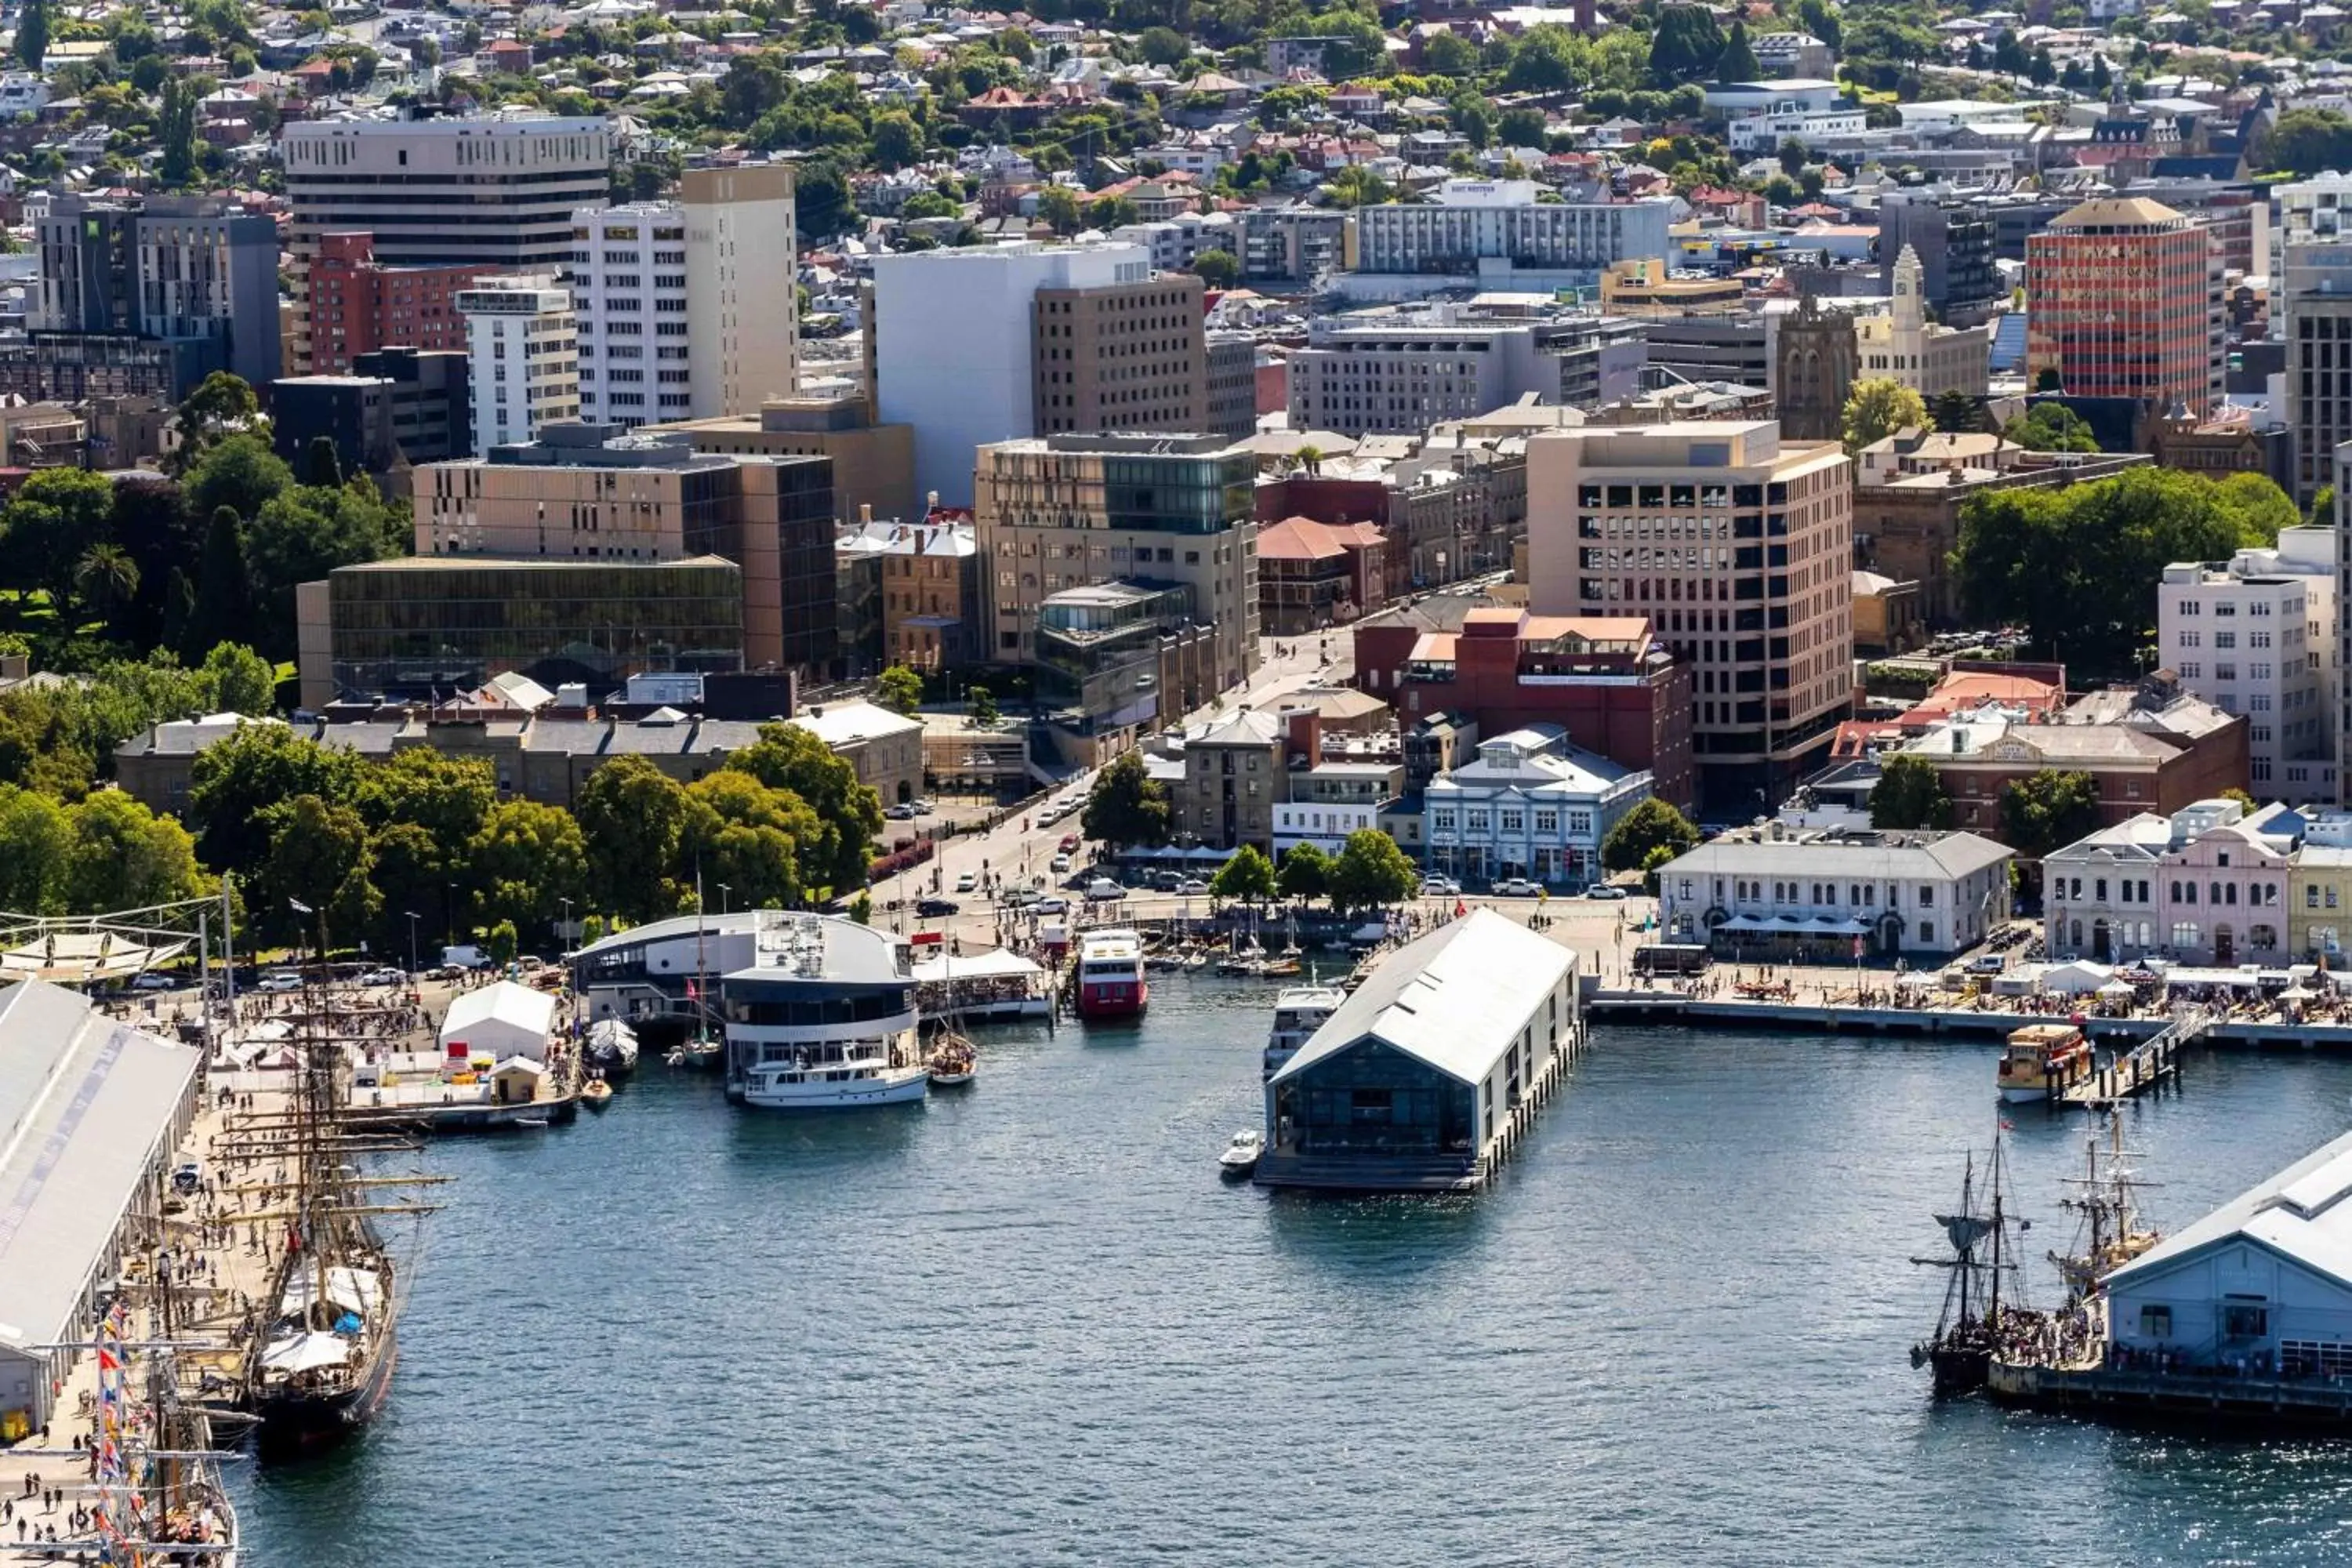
(1026, 1323)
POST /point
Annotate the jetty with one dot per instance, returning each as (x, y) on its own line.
(2146, 1065)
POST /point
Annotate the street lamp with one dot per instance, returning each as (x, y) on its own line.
(412, 944)
(570, 938)
(723, 890)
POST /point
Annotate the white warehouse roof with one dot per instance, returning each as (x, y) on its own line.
(2300, 1214)
(506, 1003)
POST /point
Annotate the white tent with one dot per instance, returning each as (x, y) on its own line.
(2074, 978)
(499, 1021)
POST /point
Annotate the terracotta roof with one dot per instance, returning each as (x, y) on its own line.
(1304, 539)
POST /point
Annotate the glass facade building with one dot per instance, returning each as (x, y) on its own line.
(425, 626)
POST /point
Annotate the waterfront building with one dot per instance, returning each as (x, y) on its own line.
(594, 492)
(1418, 1079)
(1115, 660)
(1736, 547)
(1235, 771)
(1528, 806)
(873, 463)
(1831, 894)
(77, 1166)
(1346, 788)
(501, 1020)
(2208, 884)
(2257, 636)
(435, 189)
(672, 323)
(822, 1016)
(2260, 1288)
(1074, 510)
(2126, 302)
(2319, 889)
(522, 350)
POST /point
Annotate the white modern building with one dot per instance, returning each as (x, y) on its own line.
(2258, 637)
(523, 357)
(495, 190)
(1764, 132)
(953, 338)
(1528, 806)
(1497, 230)
(683, 309)
(1784, 95)
(1788, 893)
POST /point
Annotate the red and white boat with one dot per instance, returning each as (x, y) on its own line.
(1111, 983)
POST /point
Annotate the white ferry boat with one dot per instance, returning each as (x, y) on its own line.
(824, 1017)
(1111, 983)
(1299, 1012)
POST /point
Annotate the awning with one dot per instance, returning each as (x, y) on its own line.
(307, 1352)
(353, 1290)
(996, 965)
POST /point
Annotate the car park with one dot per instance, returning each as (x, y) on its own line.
(1516, 888)
(929, 908)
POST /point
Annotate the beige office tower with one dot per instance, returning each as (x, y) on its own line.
(1121, 356)
(1739, 549)
(1075, 510)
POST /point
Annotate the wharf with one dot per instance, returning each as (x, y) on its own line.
(1727, 1013)
(2157, 1396)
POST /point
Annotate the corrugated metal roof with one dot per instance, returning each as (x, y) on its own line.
(84, 1104)
(1455, 998)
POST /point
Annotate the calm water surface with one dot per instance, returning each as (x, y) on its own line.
(1028, 1324)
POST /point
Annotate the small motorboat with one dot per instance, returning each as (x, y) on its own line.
(595, 1094)
(953, 1062)
(1240, 1155)
(700, 1055)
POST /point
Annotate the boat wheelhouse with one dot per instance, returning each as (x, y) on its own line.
(823, 1018)
(1299, 1012)
(2042, 1061)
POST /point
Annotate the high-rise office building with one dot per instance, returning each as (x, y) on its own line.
(596, 492)
(1954, 241)
(197, 275)
(524, 355)
(435, 189)
(1738, 547)
(2124, 301)
(358, 304)
(678, 315)
(1119, 356)
(1068, 511)
(2313, 299)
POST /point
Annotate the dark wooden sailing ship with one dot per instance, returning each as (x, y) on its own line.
(1975, 1315)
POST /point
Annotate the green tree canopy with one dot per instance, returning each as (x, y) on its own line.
(1370, 872)
(1304, 874)
(1126, 805)
(124, 856)
(2306, 141)
(1217, 269)
(525, 862)
(2049, 428)
(1910, 793)
(634, 815)
(2046, 811)
(1649, 825)
(235, 782)
(1878, 407)
(221, 405)
(1956, 413)
(900, 690)
(1737, 63)
(1685, 45)
(37, 837)
(1248, 878)
(239, 472)
(740, 832)
(789, 757)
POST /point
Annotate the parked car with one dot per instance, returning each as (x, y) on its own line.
(967, 881)
(921, 806)
(1433, 887)
(1021, 897)
(1603, 890)
(1166, 880)
(1516, 888)
(187, 1177)
(929, 908)
(901, 813)
(281, 981)
(1103, 888)
(1192, 887)
(1069, 843)
(156, 980)
(1987, 964)
(384, 977)
(1054, 904)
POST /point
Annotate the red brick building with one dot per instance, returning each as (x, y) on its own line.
(1606, 680)
(358, 305)
(1311, 574)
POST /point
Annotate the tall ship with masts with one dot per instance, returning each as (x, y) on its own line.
(2110, 1230)
(1981, 1299)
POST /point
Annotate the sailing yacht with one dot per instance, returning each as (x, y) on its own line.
(824, 1018)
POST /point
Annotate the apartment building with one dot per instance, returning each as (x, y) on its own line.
(195, 277)
(522, 352)
(2257, 637)
(596, 492)
(1385, 374)
(673, 322)
(1737, 547)
(1498, 228)
(358, 304)
(2125, 301)
(436, 189)
(1071, 510)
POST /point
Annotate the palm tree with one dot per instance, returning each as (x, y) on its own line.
(106, 577)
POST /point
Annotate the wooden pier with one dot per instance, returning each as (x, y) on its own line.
(2145, 1067)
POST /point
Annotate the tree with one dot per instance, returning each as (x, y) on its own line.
(632, 815)
(106, 579)
(176, 131)
(740, 832)
(2306, 141)
(1217, 269)
(1370, 872)
(123, 856)
(1520, 127)
(897, 141)
(1878, 407)
(1306, 874)
(1649, 825)
(2049, 428)
(239, 472)
(47, 529)
(1108, 213)
(33, 34)
(1739, 61)
(527, 861)
(1956, 411)
(1058, 207)
(1448, 53)
(1163, 47)
(981, 703)
(1548, 57)
(305, 534)
(322, 464)
(1910, 793)
(35, 847)
(1357, 186)
(1685, 46)
(2046, 811)
(1126, 805)
(242, 681)
(900, 688)
(504, 943)
(221, 405)
(318, 856)
(1248, 878)
(234, 782)
(789, 757)
(2323, 507)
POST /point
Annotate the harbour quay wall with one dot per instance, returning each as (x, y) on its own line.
(2173, 1396)
(1613, 1006)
